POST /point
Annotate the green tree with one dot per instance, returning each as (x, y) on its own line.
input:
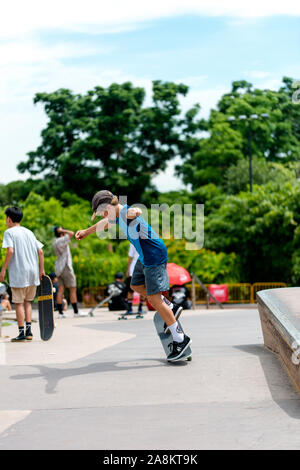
(237, 176)
(260, 228)
(106, 138)
(213, 157)
(276, 139)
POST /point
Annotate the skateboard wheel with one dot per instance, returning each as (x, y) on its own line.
(189, 358)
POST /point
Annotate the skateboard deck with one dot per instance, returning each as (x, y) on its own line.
(166, 339)
(46, 308)
(123, 316)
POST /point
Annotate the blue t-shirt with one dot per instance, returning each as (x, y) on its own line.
(151, 249)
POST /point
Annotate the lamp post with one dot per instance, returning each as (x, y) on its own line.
(248, 119)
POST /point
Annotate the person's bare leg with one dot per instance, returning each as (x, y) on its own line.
(130, 296)
(28, 311)
(73, 295)
(20, 314)
(157, 302)
(60, 293)
(140, 290)
(162, 308)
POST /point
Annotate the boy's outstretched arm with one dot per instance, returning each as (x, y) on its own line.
(99, 226)
(133, 212)
(41, 263)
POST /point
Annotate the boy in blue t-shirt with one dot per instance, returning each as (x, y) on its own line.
(150, 277)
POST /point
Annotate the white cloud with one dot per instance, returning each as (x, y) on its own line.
(271, 84)
(207, 97)
(32, 51)
(259, 74)
(93, 15)
(166, 180)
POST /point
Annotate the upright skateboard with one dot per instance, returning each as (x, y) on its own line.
(46, 308)
(166, 339)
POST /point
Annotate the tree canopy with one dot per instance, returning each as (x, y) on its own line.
(276, 139)
(107, 138)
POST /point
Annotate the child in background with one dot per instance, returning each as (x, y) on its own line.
(25, 262)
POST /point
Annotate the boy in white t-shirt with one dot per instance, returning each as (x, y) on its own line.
(25, 262)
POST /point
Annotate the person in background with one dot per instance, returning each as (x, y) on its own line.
(25, 262)
(118, 301)
(133, 256)
(180, 295)
(5, 303)
(64, 270)
(54, 280)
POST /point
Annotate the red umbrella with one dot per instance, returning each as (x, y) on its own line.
(177, 274)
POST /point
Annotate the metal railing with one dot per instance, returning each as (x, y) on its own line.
(91, 296)
(257, 286)
(239, 293)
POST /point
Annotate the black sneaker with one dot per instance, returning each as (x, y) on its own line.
(177, 310)
(177, 349)
(19, 339)
(29, 335)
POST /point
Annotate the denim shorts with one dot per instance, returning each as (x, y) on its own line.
(155, 278)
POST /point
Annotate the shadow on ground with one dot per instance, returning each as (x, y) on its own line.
(276, 377)
(53, 375)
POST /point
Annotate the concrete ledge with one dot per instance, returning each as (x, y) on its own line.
(279, 311)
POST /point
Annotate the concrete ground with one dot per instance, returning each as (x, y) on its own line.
(100, 383)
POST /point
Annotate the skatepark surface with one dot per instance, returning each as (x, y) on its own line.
(100, 383)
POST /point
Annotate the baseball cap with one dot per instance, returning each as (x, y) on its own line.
(101, 198)
(119, 275)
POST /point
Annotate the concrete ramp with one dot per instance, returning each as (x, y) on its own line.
(279, 311)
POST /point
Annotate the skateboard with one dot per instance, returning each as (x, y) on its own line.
(2, 288)
(46, 308)
(103, 301)
(166, 339)
(113, 292)
(123, 316)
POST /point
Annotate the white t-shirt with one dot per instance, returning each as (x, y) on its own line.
(63, 253)
(23, 268)
(132, 253)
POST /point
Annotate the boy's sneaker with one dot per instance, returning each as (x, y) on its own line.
(21, 338)
(177, 349)
(80, 314)
(177, 312)
(61, 315)
(29, 335)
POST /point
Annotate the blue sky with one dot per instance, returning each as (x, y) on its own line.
(201, 48)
